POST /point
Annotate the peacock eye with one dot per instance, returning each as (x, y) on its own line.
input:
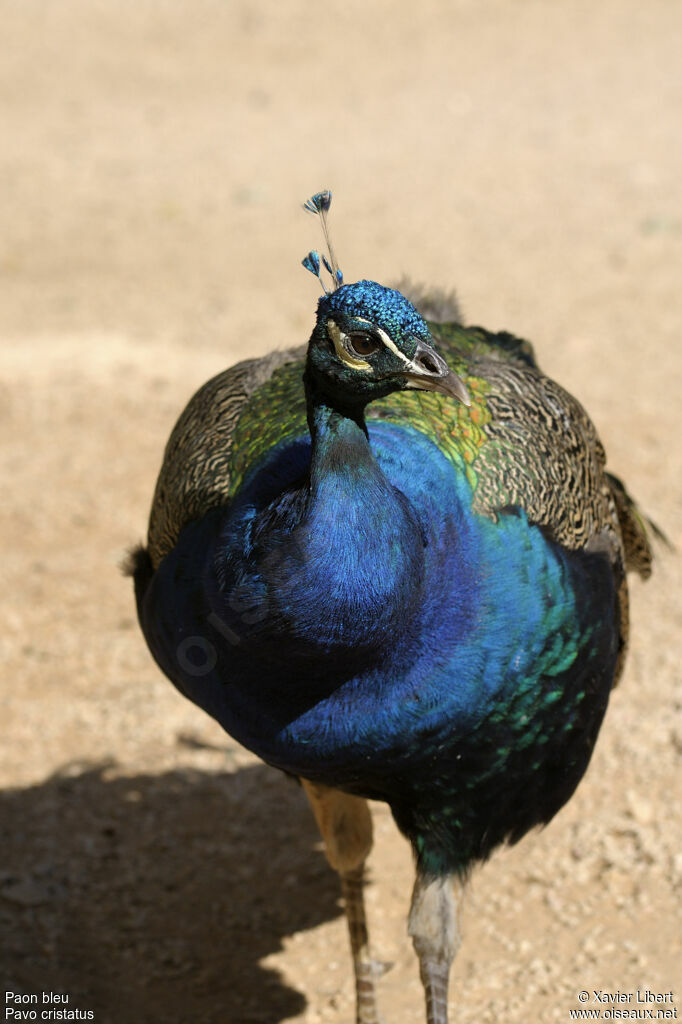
(361, 344)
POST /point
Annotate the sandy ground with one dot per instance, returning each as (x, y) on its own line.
(152, 161)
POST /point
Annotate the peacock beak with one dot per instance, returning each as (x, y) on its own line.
(429, 372)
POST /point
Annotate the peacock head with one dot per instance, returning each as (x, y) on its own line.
(370, 340)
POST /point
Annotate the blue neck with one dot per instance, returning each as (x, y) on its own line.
(344, 474)
(348, 575)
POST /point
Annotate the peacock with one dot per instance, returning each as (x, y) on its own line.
(392, 564)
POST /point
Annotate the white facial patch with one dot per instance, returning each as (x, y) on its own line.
(338, 337)
(387, 340)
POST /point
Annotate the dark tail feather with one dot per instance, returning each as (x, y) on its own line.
(138, 564)
(637, 530)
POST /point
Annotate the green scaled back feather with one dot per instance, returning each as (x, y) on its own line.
(505, 442)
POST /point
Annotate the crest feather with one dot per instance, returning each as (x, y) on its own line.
(319, 204)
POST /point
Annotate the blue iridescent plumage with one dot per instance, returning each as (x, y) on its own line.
(311, 262)
(385, 307)
(319, 203)
(393, 565)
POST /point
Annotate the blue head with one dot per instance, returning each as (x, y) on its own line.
(369, 340)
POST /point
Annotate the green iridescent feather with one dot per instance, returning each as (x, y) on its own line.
(511, 402)
(276, 412)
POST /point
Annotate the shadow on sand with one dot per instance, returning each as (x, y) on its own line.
(155, 898)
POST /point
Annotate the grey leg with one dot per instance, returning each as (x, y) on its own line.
(435, 934)
(346, 827)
